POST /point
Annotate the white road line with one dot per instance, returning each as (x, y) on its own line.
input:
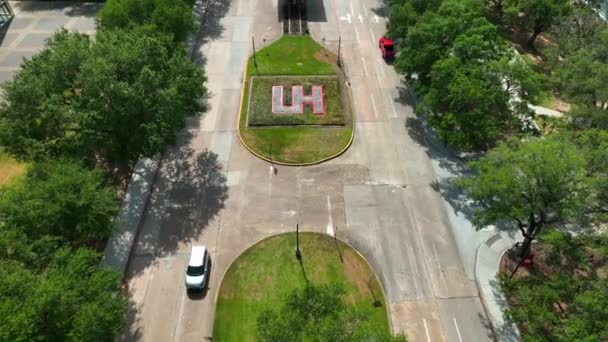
(393, 107)
(364, 66)
(365, 11)
(376, 19)
(177, 331)
(374, 105)
(350, 5)
(426, 329)
(378, 81)
(457, 330)
(330, 221)
(381, 66)
(357, 34)
(371, 34)
(360, 18)
(270, 172)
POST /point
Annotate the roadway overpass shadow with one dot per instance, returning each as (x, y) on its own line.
(315, 10)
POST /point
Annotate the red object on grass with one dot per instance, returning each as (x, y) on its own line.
(527, 263)
(387, 48)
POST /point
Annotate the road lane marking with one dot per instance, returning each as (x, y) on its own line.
(330, 221)
(350, 5)
(457, 330)
(365, 11)
(381, 67)
(364, 66)
(357, 34)
(393, 107)
(374, 105)
(376, 19)
(346, 17)
(426, 329)
(360, 18)
(371, 34)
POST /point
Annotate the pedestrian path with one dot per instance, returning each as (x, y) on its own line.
(486, 269)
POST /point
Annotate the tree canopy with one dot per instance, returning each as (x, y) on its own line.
(71, 300)
(473, 86)
(318, 313)
(115, 99)
(538, 15)
(173, 17)
(59, 199)
(531, 185)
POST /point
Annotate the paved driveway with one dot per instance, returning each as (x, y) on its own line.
(378, 194)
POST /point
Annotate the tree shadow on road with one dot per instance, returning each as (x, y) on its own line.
(207, 15)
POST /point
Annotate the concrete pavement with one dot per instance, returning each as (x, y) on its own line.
(380, 193)
(36, 21)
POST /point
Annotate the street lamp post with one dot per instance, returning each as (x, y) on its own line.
(339, 45)
(255, 61)
(298, 253)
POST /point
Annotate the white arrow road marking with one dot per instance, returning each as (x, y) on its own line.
(347, 18)
(376, 19)
(360, 18)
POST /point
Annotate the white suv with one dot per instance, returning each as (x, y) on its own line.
(198, 268)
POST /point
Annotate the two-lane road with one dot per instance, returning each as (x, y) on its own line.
(377, 193)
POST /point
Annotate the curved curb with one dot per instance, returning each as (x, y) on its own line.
(238, 123)
(386, 304)
(497, 329)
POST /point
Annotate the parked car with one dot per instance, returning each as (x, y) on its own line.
(197, 272)
(387, 48)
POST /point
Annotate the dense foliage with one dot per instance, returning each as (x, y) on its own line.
(534, 185)
(565, 297)
(473, 86)
(71, 299)
(318, 313)
(115, 99)
(59, 199)
(173, 17)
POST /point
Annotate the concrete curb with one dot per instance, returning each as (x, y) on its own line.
(487, 263)
(352, 135)
(119, 247)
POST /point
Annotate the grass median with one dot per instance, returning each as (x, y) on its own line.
(266, 273)
(299, 143)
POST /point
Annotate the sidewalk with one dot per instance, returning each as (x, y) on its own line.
(486, 268)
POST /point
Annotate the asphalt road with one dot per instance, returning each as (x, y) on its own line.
(212, 191)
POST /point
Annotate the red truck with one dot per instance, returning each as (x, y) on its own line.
(387, 48)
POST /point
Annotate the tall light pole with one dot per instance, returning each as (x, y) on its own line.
(255, 61)
(298, 253)
(339, 45)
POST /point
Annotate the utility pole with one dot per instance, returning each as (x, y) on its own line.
(339, 45)
(298, 253)
(255, 61)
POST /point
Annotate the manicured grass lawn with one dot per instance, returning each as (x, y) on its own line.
(265, 274)
(295, 55)
(260, 107)
(10, 169)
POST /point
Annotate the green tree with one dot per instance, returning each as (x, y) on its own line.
(533, 185)
(538, 15)
(173, 17)
(583, 79)
(72, 300)
(433, 37)
(405, 13)
(58, 199)
(113, 100)
(317, 313)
